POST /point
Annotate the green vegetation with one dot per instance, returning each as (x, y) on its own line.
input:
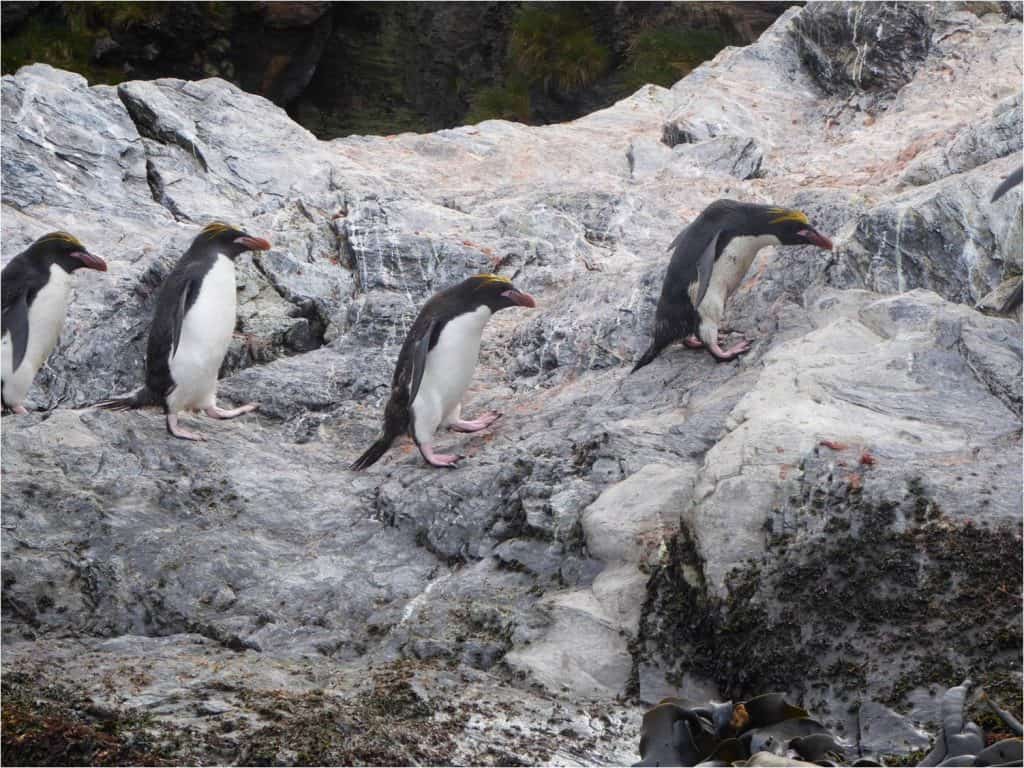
(663, 56)
(41, 40)
(99, 17)
(555, 60)
(508, 102)
(552, 47)
(65, 38)
(555, 45)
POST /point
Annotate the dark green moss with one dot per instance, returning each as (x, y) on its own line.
(864, 601)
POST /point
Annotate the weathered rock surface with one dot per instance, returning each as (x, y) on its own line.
(836, 515)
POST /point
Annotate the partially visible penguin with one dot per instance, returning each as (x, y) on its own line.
(36, 293)
(192, 327)
(1008, 183)
(436, 364)
(709, 259)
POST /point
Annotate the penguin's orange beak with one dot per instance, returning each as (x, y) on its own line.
(253, 243)
(520, 298)
(815, 238)
(90, 260)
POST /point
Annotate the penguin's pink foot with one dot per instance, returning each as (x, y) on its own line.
(733, 351)
(476, 424)
(21, 410)
(219, 413)
(693, 342)
(184, 434)
(439, 459)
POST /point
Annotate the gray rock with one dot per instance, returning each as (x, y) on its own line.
(884, 732)
(736, 156)
(978, 143)
(945, 237)
(647, 156)
(862, 46)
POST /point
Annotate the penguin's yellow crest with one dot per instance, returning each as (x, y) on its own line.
(489, 279)
(62, 237)
(785, 214)
(215, 228)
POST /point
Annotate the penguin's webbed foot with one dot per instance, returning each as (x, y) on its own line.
(693, 342)
(20, 410)
(728, 354)
(184, 434)
(219, 413)
(439, 459)
(461, 425)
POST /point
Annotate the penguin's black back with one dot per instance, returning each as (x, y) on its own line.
(22, 276)
(184, 282)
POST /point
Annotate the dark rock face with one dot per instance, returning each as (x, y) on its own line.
(344, 68)
(848, 489)
(858, 47)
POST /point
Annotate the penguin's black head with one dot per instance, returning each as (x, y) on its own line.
(793, 228)
(228, 240)
(66, 252)
(495, 292)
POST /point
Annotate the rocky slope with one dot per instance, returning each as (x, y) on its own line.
(836, 515)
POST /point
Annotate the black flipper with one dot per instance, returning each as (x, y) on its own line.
(419, 361)
(1009, 183)
(15, 322)
(705, 265)
(188, 295)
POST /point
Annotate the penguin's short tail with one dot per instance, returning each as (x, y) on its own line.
(652, 352)
(1009, 183)
(138, 399)
(373, 453)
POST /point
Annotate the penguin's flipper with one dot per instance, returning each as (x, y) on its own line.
(705, 265)
(189, 291)
(419, 361)
(15, 322)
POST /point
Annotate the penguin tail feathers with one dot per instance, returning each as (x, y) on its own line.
(138, 399)
(1009, 183)
(652, 352)
(373, 453)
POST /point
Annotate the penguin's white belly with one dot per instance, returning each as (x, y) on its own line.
(728, 273)
(45, 320)
(449, 369)
(205, 337)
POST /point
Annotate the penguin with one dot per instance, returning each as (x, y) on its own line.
(709, 259)
(36, 293)
(436, 364)
(1008, 183)
(191, 330)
